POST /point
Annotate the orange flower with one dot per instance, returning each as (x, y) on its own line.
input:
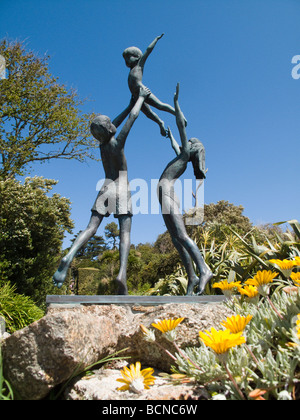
(257, 394)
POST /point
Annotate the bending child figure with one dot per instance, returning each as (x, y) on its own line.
(114, 196)
(135, 60)
(191, 151)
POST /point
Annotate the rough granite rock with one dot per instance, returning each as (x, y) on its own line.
(47, 352)
(103, 385)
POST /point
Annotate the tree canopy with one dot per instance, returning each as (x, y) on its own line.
(32, 226)
(93, 249)
(227, 214)
(112, 233)
(40, 119)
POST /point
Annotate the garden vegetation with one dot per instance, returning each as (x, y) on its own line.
(254, 355)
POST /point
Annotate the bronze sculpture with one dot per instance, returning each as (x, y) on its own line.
(135, 60)
(190, 151)
(114, 196)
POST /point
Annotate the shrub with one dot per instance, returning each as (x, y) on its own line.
(17, 310)
(32, 225)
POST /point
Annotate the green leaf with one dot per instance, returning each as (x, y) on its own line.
(295, 225)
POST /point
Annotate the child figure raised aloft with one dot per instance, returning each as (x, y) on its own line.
(135, 60)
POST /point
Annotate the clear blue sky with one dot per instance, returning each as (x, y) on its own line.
(233, 61)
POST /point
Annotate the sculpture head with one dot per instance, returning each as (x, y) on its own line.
(103, 129)
(131, 56)
(197, 157)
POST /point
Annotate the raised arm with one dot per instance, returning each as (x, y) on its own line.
(180, 121)
(144, 92)
(174, 143)
(149, 50)
(121, 117)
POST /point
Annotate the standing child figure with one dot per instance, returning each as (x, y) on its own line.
(135, 60)
(114, 196)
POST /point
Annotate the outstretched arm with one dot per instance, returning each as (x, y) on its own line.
(120, 118)
(149, 50)
(144, 92)
(174, 143)
(180, 121)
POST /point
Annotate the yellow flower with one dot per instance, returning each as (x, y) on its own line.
(135, 379)
(221, 341)
(296, 278)
(286, 266)
(298, 326)
(296, 335)
(167, 324)
(236, 324)
(167, 327)
(250, 291)
(261, 280)
(226, 287)
(297, 338)
(297, 261)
